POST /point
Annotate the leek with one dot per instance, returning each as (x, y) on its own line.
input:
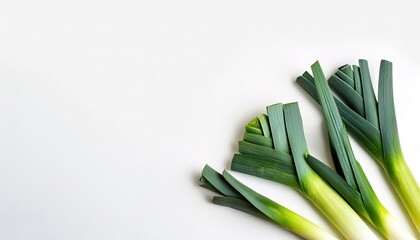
(285, 163)
(394, 163)
(352, 171)
(237, 195)
(376, 129)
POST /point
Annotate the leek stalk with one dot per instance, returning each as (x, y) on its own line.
(352, 171)
(376, 129)
(238, 196)
(285, 163)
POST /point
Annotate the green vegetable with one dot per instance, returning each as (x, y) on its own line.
(274, 148)
(376, 130)
(238, 196)
(291, 169)
(352, 171)
(394, 163)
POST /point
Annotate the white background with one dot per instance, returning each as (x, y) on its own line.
(110, 109)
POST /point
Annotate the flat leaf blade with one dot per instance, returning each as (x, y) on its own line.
(278, 131)
(371, 110)
(334, 123)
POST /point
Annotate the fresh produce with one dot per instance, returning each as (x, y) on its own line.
(237, 195)
(274, 148)
(373, 124)
(350, 169)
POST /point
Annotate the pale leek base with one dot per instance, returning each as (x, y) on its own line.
(394, 230)
(406, 187)
(344, 218)
(304, 227)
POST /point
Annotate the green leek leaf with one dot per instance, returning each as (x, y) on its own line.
(345, 78)
(399, 173)
(258, 139)
(276, 118)
(371, 110)
(357, 81)
(263, 151)
(348, 94)
(266, 168)
(346, 69)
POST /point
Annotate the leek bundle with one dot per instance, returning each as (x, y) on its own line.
(372, 123)
(274, 148)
